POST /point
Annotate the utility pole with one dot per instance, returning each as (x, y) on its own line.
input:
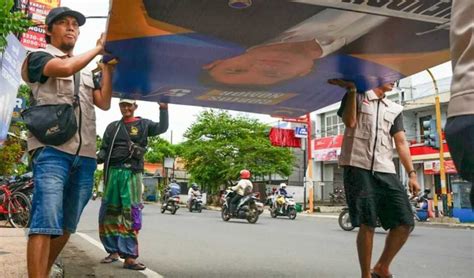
(307, 153)
(446, 198)
(304, 148)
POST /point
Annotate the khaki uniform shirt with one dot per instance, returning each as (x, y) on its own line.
(57, 90)
(369, 144)
(462, 55)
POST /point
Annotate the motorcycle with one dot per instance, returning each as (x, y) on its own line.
(419, 206)
(94, 195)
(246, 209)
(171, 205)
(260, 207)
(338, 197)
(196, 204)
(286, 208)
(345, 221)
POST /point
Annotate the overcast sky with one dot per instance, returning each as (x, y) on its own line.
(181, 116)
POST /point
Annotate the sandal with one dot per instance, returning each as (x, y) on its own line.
(109, 259)
(375, 275)
(135, 266)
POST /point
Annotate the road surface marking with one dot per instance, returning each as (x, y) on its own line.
(147, 272)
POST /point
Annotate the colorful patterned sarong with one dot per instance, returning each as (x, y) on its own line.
(120, 216)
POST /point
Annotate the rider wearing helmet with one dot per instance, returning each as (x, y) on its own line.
(244, 187)
(193, 192)
(282, 194)
(173, 189)
(282, 191)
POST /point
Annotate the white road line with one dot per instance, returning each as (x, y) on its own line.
(321, 216)
(147, 272)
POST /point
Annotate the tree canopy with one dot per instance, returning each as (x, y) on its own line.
(11, 22)
(219, 145)
(159, 148)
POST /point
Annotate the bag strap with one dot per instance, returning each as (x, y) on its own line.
(111, 146)
(76, 103)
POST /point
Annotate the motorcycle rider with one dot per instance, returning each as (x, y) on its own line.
(284, 194)
(172, 190)
(193, 192)
(243, 187)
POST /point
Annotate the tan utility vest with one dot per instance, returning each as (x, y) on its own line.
(462, 58)
(58, 90)
(369, 145)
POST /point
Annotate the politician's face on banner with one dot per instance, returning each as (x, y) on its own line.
(261, 66)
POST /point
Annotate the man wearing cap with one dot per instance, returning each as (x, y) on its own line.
(123, 147)
(63, 174)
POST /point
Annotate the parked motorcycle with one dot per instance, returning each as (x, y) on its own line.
(171, 205)
(287, 207)
(196, 204)
(338, 197)
(246, 209)
(419, 206)
(345, 221)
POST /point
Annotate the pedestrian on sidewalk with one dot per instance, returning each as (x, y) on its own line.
(64, 173)
(460, 123)
(123, 149)
(373, 189)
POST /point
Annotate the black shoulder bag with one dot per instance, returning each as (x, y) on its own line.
(53, 124)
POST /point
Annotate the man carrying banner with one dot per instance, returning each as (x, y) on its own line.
(373, 190)
(64, 173)
(460, 124)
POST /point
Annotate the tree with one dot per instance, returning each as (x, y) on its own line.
(14, 147)
(158, 149)
(218, 146)
(11, 22)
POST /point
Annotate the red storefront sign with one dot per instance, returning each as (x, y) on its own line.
(423, 150)
(35, 36)
(327, 148)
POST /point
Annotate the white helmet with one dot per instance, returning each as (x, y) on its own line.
(282, 185)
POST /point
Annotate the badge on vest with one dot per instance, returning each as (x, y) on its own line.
(133, 131)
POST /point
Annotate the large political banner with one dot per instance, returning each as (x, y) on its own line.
(10, 64)
(270, 56)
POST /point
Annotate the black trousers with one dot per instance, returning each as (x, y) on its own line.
(234, 202)
(460, 137)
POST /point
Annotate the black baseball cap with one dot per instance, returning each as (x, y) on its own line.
(63, 11)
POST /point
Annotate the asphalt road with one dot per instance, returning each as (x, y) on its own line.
(202, 245)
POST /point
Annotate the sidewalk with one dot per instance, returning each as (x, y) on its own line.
(80, 258)
(12, 252)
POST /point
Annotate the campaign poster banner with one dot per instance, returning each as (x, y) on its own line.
(327, 148)
(35, 36)
(274, 56)
(10, 65)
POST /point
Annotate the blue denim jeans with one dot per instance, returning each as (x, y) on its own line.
(63, 186)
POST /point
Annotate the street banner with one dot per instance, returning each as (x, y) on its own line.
(270, 56)
(432, 167)
(10, 64)
(35, 36)
(327, 148)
